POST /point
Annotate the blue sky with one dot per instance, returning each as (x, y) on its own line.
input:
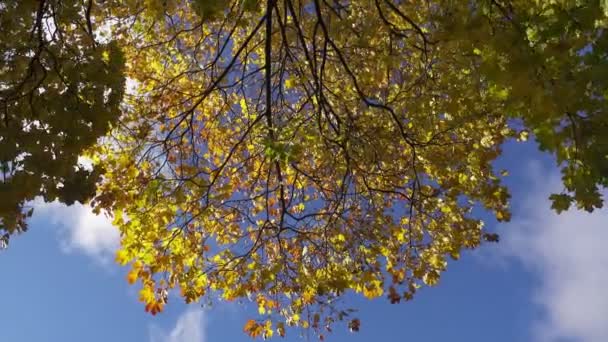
(544, 282)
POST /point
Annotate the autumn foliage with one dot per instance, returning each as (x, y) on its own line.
(289, 152)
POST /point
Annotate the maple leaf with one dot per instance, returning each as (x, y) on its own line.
(253, 328)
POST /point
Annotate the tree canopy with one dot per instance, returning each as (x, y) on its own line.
(293, 151)
(59, 90)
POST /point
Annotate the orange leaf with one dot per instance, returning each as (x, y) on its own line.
(253, 328)
(132, 276)
(154, 308)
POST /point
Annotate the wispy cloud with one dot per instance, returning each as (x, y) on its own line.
(80, 230)
(569, 255)
(190, 327)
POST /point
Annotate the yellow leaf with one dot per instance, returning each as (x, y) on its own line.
(122, 257)
(132, 276)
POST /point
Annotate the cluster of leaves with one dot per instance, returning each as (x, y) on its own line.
(549, 62)
(291, 151)
(59, 91)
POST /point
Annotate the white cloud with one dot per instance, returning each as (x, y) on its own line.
(569, 255)
(190, 327)
(80, 229)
